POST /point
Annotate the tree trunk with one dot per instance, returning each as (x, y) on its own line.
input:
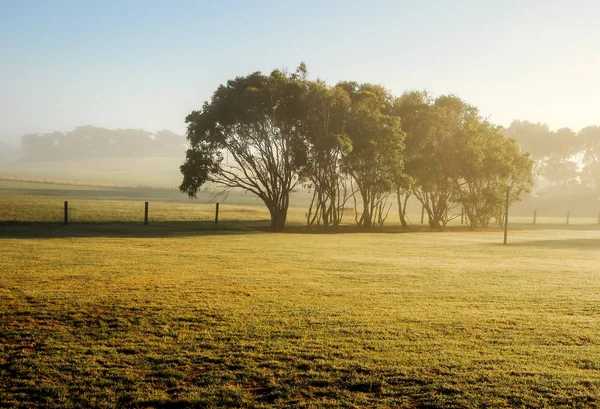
(278, 210)
(435, 223)
(278, 217)
(401, 209)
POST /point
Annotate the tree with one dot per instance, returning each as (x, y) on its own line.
(590, 138)
(375, 161)
(453, 156)
(538, 140)
(489, 162)
(413, 109)
(328, 144)
(257, 121)
(433, 160)
(553, 152)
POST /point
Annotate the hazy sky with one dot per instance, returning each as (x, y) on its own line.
(147, 64)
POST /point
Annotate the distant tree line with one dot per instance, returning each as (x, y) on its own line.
(86, 142)
(352, 145)
(567, 163)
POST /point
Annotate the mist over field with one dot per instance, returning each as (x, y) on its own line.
(566, 173)
(317, 204)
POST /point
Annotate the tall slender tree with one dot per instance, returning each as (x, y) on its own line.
(328, 144)
(376, 160)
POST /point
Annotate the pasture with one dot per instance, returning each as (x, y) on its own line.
(181, 314)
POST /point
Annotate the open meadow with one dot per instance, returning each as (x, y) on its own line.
(181, 314)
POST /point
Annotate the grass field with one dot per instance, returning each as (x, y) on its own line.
(43, 202)
(107, 312)
(258, 320)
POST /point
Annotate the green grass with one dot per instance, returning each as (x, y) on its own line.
(156, 172)
(259, 320)
(24, 201)
(99, 206)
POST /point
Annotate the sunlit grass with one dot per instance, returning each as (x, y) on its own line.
(301, 320)
(38, 208)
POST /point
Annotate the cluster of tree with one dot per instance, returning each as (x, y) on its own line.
(567, 162)
(351, 144)
(93, 142)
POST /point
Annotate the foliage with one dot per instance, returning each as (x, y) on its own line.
(490, 163)
(453, 156)
(433, 161)
(375, 161)
(327, 146)
(590, 137)
(542, 143)
(257, 121)
(268, 134)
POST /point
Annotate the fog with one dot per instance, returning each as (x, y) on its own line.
(567, 162)
(89, 154)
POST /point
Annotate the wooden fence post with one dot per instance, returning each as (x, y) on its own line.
(506, 214)
(568, 216)
(534, 216)
(146, 213)
(217, 214)
(66, 212)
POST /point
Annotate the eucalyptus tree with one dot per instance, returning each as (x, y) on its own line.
(413, 108)
(590, 139)
(327, 145)
(555, 153)
(454, 157)
(249, 136)
(432, 160)
(375, 161)
(488, 164)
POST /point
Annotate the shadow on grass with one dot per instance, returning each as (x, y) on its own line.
(49, 230)
(553, 226)
(579, 244)
(16, 229)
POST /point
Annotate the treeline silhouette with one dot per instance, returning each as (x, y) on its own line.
(86, 142)
(353, 145)
(567, 163)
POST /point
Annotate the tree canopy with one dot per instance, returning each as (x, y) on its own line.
(271, 134)
(250, 136)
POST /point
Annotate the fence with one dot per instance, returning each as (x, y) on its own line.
(31, 208)
(537, 218)
(146, 211)
(44, 209)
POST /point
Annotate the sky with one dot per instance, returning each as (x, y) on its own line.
(148, 64)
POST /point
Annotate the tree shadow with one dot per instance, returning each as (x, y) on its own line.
(51, 230)
(553, 226)
(577, 244)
